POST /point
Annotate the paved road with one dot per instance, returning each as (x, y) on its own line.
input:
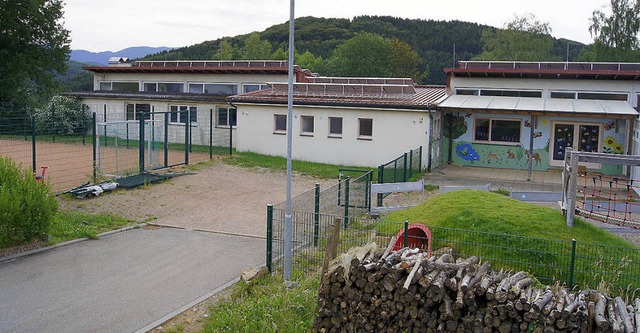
(120, 283)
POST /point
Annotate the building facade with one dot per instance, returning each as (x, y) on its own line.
(522, 115)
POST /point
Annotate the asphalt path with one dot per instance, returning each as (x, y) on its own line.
(119, 283)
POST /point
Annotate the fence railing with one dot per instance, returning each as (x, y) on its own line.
(569, 262)
(73, 147)
(402, 169)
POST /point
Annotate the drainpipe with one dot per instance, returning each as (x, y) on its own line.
(531, 131)
(450, 158)
(430, 140)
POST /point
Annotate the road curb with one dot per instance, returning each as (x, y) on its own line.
(67, 243)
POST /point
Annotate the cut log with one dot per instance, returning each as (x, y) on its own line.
(623, 315)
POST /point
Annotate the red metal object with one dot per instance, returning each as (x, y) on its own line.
(40, 177)
(418, 236)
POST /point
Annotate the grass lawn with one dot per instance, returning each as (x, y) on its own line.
(320, 170)
(70, 225)
(266, 305)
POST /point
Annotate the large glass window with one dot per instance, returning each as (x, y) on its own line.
(280, 123)
(249, 87)
(179, 115)
(133, 109)
(583, 137)
(227, 116)
(497, 130)
(166, 87)
(335, 126)
(118, 86)
(306, 125)
(510, 93)
(221, 89)
(365, 128)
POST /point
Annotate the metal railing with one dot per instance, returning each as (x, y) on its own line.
(550, 261)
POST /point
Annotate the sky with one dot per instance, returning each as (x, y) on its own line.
(113, 25)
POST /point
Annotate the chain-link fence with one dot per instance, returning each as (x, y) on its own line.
(570, 262)
(68, 145)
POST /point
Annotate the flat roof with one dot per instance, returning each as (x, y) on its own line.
(538, 105)
(203, 67)
(547, 70)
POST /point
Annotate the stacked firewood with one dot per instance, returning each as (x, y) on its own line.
(377, 290)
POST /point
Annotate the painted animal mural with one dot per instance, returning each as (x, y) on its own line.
(535, 157)
(466, 152)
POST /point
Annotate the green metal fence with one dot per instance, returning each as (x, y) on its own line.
(402, 169)
(569, 262)
(73, 146)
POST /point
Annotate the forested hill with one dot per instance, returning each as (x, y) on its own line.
(433, 40)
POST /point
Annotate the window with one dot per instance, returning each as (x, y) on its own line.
(563, 94)
(580, 136)
(603, 96)
(280, 123)
(133, 109)
(213, 88)
(365, 128)
(253, 87)
(118, 86)
(179, 115)
(306, 125)
(227, 116)
(164, 87)
(497, 130)
(335, 127)
(472, 92)
(511, 93)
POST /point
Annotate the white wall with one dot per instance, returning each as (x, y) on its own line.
(394, 133)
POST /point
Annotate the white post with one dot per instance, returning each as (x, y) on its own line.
(571, 191)
(288, 226)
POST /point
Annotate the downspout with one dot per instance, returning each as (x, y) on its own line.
(630, 128)
(430, 140)
(450, 153)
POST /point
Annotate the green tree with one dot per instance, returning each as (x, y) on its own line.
(34, 45)
(309, 61)
(225, 51)
(368, 54)
(616, 35)
(256, 48)
(522, 39)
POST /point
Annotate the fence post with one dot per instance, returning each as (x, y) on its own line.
(346, 202)
(53, 122)
(167, 119)
(33, 143)
(187, 128)
(410, 164)
(406, 233)
(210, 134)
(230, 139)
(420, 160)
(404, 172)
(380, 181)
(95, 142)
(141, 143)
(367, 190)
(316, 216)
(269, 238)
(573, 263)
(84, 124)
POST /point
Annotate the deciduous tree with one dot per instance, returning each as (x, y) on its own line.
(615, 34)
(34, 45)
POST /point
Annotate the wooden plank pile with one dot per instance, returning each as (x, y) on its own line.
(377, 290)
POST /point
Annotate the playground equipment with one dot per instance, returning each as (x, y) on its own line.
(40, 177)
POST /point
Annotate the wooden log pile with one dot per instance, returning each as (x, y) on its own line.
(379, 290)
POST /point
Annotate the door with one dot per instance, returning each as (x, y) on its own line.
(582, 137)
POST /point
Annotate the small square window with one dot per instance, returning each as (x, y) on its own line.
(365, 128)
(280, 123)
(335, 126)
(227, 116)
(306, 125)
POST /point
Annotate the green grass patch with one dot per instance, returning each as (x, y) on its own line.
(518, 235)
(266, 305)
(320, 170)
(70, 225)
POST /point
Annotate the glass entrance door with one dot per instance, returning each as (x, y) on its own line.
(583, 137)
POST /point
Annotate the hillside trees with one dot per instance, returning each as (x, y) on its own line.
(372, 55)
(615, 34)
(525, 38)
(34, 45)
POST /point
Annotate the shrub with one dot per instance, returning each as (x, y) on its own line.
(27, 206)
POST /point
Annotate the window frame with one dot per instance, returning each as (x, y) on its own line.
(303, 131)
(156, 86)
(136, 108)
(490, 131)
(261, 86)
(229, 117)
(336, 134)
(193, 111)
(277, 130)
(362, 136)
